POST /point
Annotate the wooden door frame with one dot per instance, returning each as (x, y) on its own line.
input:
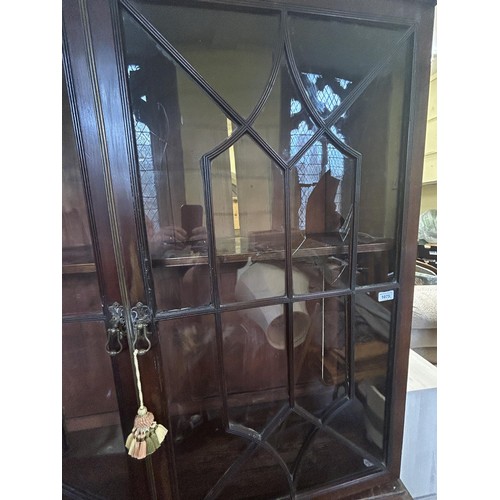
(105, 143)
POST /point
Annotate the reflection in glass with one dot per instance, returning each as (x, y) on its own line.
(175, 124)
(320, 367)
(233, 51)
(88, 386)
(80, 289)
(255, 369)
(245, 175)
(326, 189)
(284, 122)
(375, 126)
(248, 200)
(272, 480)
(363, 420)
(180, 132)
(320, 463)
(80, 292)
(93, 442)
(333, 56)
(323, 195)
(190, 358)
(289, 437)
(189, 354)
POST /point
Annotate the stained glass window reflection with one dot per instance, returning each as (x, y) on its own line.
(322, 156)
(146, 165)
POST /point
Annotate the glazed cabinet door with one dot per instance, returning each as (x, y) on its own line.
(251, 188)
(94, 461)
(92, 429)
(102, 279)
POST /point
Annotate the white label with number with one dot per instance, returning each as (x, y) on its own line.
(383, 296)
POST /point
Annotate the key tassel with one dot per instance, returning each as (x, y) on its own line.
(147, 435)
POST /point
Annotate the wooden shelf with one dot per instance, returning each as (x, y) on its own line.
(78, 260)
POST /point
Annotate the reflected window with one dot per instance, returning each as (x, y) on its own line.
(322, 156)
(325, 96)
(146, 164)
(146, 169)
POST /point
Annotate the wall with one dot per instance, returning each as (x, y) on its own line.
(429, 178)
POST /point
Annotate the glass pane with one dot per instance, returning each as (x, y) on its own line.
(233, 51)
(271, 483)
(203, 459)
(320, 369)
(255, 364)
(333, 56)
(248, 199)
(373, 322)
(355, 422)
(381, 139)
(289, 437)
(284, 122)
(323, 196)
(190, 358)
(177, 129)
(327, 459)
(94, 460)
(175, 124)
(80, 289)
(189, 354)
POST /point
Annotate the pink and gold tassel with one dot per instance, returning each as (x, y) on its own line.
(147, 435)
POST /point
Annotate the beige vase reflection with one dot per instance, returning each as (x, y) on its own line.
(258, 281)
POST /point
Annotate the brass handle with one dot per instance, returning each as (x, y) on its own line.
(141, 318)
(116, 332)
